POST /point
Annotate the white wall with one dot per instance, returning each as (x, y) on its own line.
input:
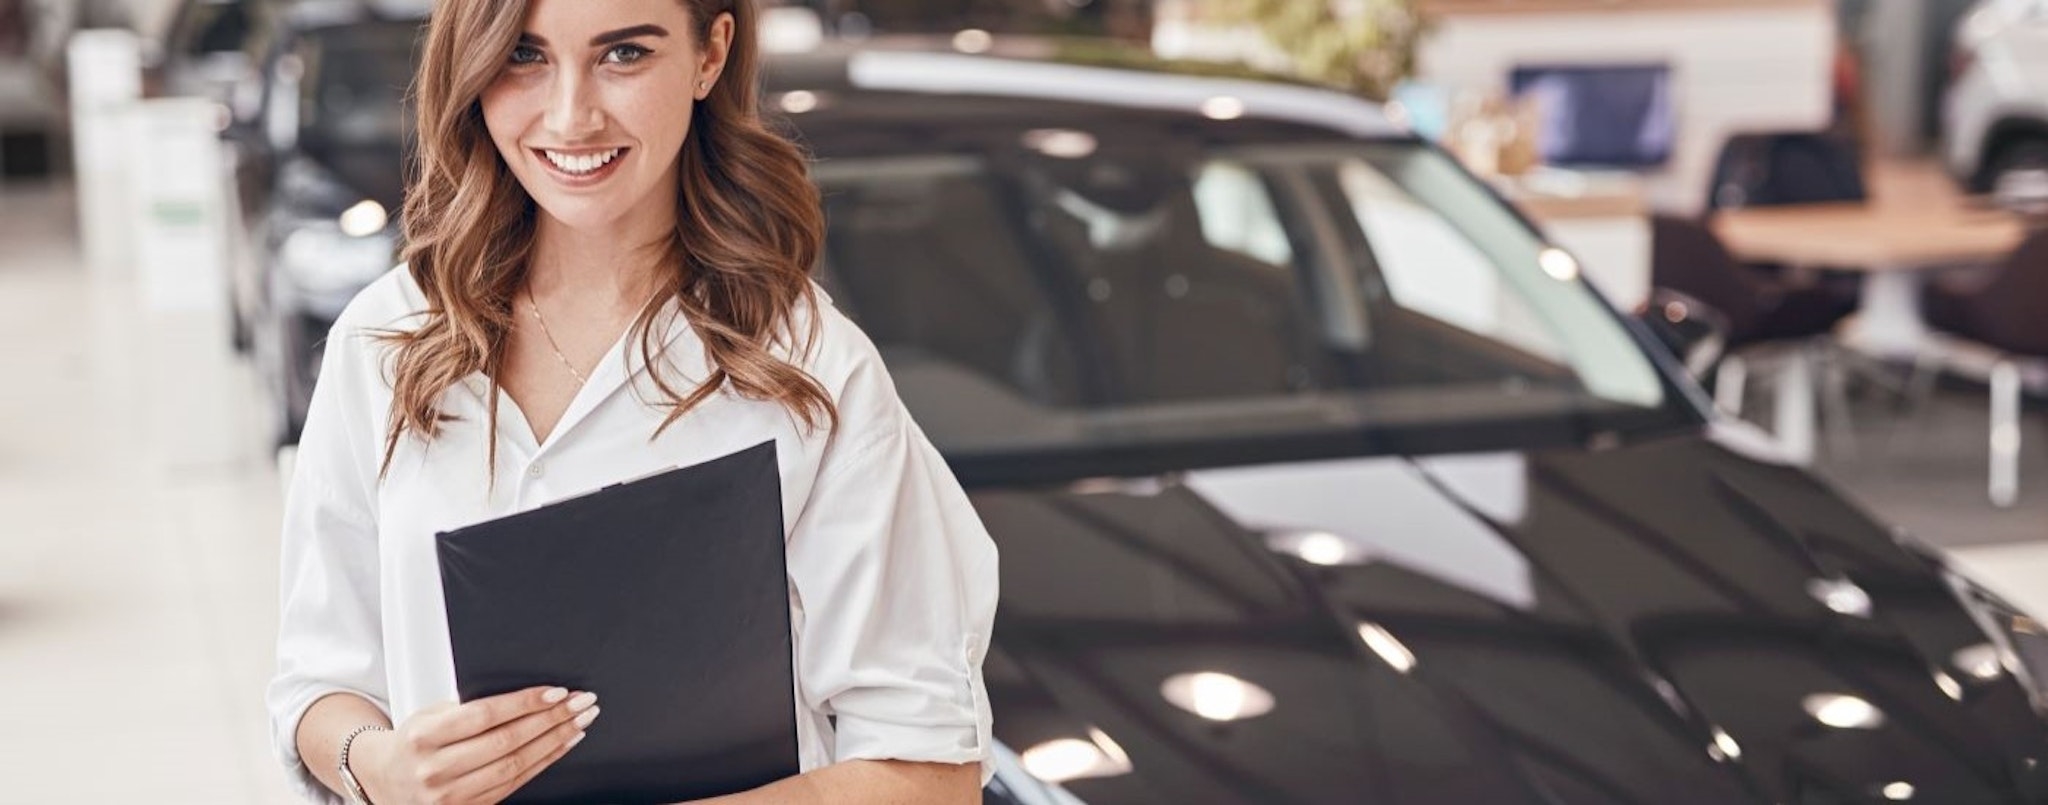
(1742, 68)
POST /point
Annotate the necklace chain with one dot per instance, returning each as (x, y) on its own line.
(550, 336)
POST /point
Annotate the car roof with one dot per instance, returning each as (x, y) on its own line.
(1044, 70)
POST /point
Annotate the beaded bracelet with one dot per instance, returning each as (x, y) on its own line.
(356, 795)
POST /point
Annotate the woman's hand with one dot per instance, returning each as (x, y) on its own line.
(478, 752)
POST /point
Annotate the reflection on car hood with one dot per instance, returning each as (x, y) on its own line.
(1665, 623)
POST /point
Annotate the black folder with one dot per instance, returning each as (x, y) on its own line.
(667, 597)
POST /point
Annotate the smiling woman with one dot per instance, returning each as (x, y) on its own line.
(579, 102)
(605, 242)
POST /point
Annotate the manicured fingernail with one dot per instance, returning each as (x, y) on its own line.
(555, 695)
(578, 739)
(582, 702)
(583, 721)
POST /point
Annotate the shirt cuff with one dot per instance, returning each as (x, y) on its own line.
(862, 739)
(285, 738)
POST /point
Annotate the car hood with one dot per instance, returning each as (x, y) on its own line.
(1667, 623)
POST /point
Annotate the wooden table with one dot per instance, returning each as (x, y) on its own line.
(1894, 241)
(1915, 222)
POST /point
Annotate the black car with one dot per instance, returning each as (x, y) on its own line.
(207, 50)
(319, 180)
(1320, 477)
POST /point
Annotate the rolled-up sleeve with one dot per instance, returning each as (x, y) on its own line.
(897, 579)
(330, 638)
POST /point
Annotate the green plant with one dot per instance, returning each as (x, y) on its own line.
(1366, 46)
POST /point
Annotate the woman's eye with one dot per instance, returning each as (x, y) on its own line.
(525, 54)
(625, 54)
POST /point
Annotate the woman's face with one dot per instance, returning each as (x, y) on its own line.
(592, 105)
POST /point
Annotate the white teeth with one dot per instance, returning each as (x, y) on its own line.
(582, 163)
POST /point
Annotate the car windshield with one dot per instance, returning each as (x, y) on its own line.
(1162, 295)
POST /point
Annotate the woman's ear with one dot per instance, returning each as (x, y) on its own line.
(717, 47)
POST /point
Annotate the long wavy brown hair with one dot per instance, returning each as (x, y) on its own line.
(748, 229)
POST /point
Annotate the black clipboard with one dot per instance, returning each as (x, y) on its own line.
(666, 596)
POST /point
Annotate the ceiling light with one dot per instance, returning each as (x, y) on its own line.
(1390, 648)
(1899, 791)
(1064, 760)
(1980, 662)
(789, 29)
(799, 102)
(1840, 595)
(1843, 711)
(1223, 107)
(1217, 696)
(973, 40)
(1558, 264)
(364, 219)
(1061, 143)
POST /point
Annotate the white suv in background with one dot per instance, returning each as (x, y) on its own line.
(1996, 119)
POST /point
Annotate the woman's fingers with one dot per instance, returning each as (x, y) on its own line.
(467, 756)
(451, 726)
(498, 779)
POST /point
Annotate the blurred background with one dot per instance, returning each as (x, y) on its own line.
(1826, 210)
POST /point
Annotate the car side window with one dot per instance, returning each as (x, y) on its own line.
(1237, 213)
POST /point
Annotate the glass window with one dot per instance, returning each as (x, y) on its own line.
(1237, 213)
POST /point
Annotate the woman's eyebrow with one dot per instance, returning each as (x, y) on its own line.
(623, 34)
(600, 40)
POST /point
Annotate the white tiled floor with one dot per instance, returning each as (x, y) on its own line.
(138, 509)
(137, 555)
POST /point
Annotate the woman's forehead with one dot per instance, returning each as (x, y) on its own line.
(576, 21)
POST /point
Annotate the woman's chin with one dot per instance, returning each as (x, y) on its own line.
(588, 215)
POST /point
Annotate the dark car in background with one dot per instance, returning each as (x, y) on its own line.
(1320, 477)
(319, 179)
(215, 49)
(32, 121)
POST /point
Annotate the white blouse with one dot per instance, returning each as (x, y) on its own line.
(892, 578)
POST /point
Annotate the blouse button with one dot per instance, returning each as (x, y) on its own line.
(535, 470)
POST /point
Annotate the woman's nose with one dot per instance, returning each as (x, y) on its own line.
(572, 112)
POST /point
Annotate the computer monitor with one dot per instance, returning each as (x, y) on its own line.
(1601, 116)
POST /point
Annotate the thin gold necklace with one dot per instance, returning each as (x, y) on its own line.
(550, 336)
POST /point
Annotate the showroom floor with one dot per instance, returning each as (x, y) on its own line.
(138, 568)
(138, 573)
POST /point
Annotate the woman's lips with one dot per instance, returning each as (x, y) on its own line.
(582, 167)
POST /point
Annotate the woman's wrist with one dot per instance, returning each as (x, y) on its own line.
(366, 761)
